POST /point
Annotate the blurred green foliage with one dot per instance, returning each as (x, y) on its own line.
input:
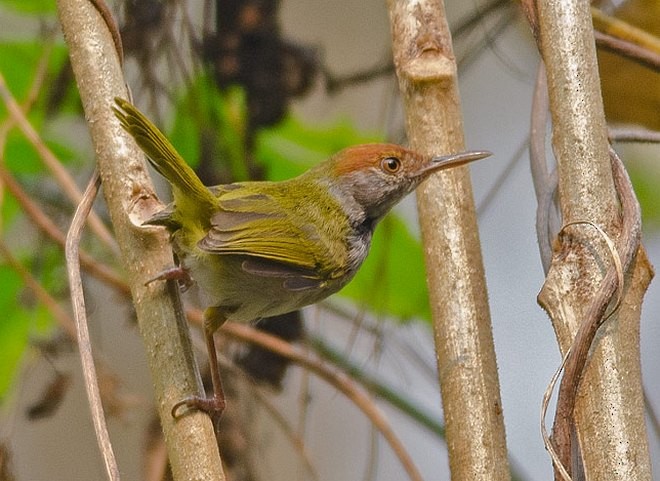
(23, 318)
(646, 182)
(208, 122)
(39, 7)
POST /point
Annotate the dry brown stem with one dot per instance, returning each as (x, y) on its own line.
(628, 244)
(52, 163)
(641, 55)
(48, 227)
(82, 329)
(338, 379)
(62, 317)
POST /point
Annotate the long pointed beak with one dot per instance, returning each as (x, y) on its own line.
(454, 160)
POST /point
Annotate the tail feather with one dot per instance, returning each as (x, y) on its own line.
(187, 189)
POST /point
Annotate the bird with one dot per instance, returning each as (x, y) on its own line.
(261, 248)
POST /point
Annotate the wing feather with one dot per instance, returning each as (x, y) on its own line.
(284, 241)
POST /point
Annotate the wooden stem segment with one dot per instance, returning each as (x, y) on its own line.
(129, 195)
(467, 368)
(608, 414)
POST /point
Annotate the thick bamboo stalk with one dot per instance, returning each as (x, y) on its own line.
(608, 413)
(130, 198)
(467, 368)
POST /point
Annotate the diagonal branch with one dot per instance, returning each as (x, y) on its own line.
(48, 227)
(338, 379)
(52, 162)
(192, 448)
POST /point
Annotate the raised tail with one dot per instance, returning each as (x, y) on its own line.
(188, 191)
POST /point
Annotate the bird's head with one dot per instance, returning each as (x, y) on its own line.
(378, 176)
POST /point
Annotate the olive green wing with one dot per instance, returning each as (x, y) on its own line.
(255, 225)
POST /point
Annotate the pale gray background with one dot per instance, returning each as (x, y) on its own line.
(496, 96)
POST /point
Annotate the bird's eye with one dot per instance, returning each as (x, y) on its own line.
(391, 165)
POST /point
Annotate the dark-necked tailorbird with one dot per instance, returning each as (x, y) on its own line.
(259, 249)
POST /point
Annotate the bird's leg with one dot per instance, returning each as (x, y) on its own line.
(213, 319)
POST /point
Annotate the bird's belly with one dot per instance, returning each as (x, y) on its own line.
(245, 297)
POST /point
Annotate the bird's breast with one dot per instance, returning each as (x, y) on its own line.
(358, 244)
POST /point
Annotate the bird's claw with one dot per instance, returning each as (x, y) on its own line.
(213, 406)
(178, 273)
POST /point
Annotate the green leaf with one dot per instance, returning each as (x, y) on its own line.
(645, 182)
(212, 122)
(19, 61)
(21, 157)
(290, 148)
(19, 323)
(30, 6)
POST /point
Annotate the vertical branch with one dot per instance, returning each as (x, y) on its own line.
(426, 70)
(580, 139)
(192, 447)
(608, 415)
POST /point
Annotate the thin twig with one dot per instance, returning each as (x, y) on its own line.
(84, 343)
(472, 54)
(529, 9)
(629, 50)
(52, 163)
(399, 401)
(633, 134)
(487, 201)
(48, 227)
(61, 316)
(547, 441)
(624, 31)
(339, 380)
(38, 79)
(378, 388)
(622, 38)
(33, 92)
(41, 70)
(477, 16)
(545, 181)
(294, 438)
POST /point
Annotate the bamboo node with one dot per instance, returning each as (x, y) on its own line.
(431, 66)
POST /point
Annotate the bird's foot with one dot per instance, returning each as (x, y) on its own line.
(213, 406)
(178, 273)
